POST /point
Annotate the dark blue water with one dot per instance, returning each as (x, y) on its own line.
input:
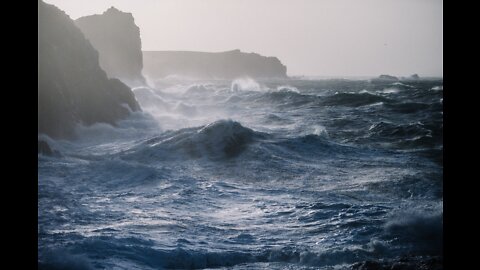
(286, 174)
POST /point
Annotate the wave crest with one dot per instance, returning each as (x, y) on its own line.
(353, 99)
(222, 139)
(245, 84)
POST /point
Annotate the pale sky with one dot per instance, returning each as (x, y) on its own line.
(310, 37)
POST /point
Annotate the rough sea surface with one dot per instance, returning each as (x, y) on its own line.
(244, 174)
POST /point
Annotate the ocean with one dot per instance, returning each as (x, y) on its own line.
(249, 174)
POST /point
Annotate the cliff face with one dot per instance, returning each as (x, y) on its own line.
(72, 88)
(117, 39)
(203, 65)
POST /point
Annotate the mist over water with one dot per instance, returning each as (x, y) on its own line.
(249, 174)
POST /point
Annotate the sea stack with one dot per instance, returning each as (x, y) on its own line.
(72, 87)
(116, 37)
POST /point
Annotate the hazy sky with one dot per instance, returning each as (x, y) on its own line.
(311, 37)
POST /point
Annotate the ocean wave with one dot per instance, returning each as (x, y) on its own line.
(291, 97)
(185, 109)
(408, 107)
(295, 180)
(402, 84)
(143, 254)
(245, 84)
(285, 98)
(274, 118)
(148, 98)
(353, 99)
(60, 259)
(390, 90)
(311, 145)
(391, 130)
(287, 88)
(226, 139)
(198, 90)
(406, 136)
(219, 140)
(135, 125)
(234, 99)
(436, 155)
(420, 231)
(411, 187)
(114, 174)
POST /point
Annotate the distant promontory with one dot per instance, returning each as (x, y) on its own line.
(386, 78)
(116, 37)
(72, 87)
(208, 65)
(390, 78)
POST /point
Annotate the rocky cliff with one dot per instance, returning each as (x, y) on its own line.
(117, 39)
(72, 88)
(204, 65)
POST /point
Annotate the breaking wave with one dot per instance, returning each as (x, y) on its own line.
(249, 174)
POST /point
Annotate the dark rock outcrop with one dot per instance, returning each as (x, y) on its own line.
(44, 148)
(116, 37)
(415, 77)
(385, 78)
(72, 88)
(204, 65)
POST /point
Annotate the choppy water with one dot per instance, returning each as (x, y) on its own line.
(280, 174)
